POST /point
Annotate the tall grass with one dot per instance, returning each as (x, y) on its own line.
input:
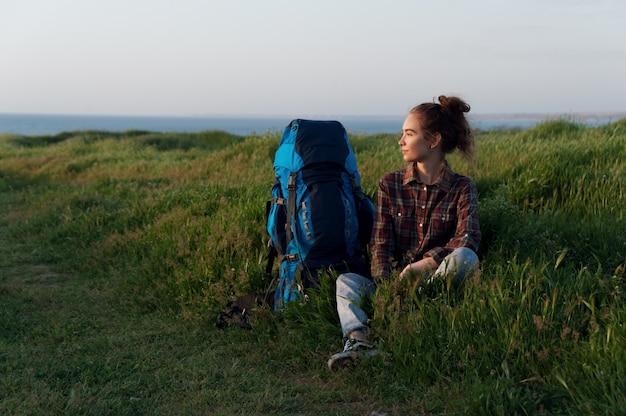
(167, 228)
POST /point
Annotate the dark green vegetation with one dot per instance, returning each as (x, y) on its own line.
(117, 250)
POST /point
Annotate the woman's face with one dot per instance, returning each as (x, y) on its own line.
(413, 143)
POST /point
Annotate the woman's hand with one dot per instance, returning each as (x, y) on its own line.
(418, 267)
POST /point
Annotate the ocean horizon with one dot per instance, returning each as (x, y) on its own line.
(51, 124)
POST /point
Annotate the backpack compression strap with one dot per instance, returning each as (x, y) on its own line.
(291, 213)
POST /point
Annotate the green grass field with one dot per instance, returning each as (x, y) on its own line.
(118, 250)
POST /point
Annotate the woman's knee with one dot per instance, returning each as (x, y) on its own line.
(460, 262)
(465, 256)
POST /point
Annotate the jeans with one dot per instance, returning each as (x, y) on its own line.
(457, 264)
(352, 288)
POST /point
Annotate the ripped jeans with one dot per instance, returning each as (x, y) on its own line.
(352, 288)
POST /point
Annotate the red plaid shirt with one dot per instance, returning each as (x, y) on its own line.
(414, 220)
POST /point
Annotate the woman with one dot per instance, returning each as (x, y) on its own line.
(426, 223)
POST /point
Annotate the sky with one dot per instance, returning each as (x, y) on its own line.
(310, 58)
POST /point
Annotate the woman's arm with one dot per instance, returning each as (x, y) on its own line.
(382, 242)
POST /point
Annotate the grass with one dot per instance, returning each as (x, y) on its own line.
(118, 249)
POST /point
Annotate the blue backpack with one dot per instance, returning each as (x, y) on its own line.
(318, 219)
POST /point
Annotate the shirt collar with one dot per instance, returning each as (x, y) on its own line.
(444, 182)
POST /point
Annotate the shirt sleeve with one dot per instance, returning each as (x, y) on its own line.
(467, 231)
(382, 241)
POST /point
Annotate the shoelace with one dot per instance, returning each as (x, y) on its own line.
(354, 345)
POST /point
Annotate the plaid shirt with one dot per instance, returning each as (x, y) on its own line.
(414, 220)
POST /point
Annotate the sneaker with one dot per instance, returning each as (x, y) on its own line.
(352, 351)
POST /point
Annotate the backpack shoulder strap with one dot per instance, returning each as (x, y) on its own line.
(356, 188)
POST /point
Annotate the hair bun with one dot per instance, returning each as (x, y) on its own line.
(453, 105)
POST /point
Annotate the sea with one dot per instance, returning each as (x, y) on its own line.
(46, 124)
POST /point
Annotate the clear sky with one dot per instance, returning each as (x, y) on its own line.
(310, 57)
